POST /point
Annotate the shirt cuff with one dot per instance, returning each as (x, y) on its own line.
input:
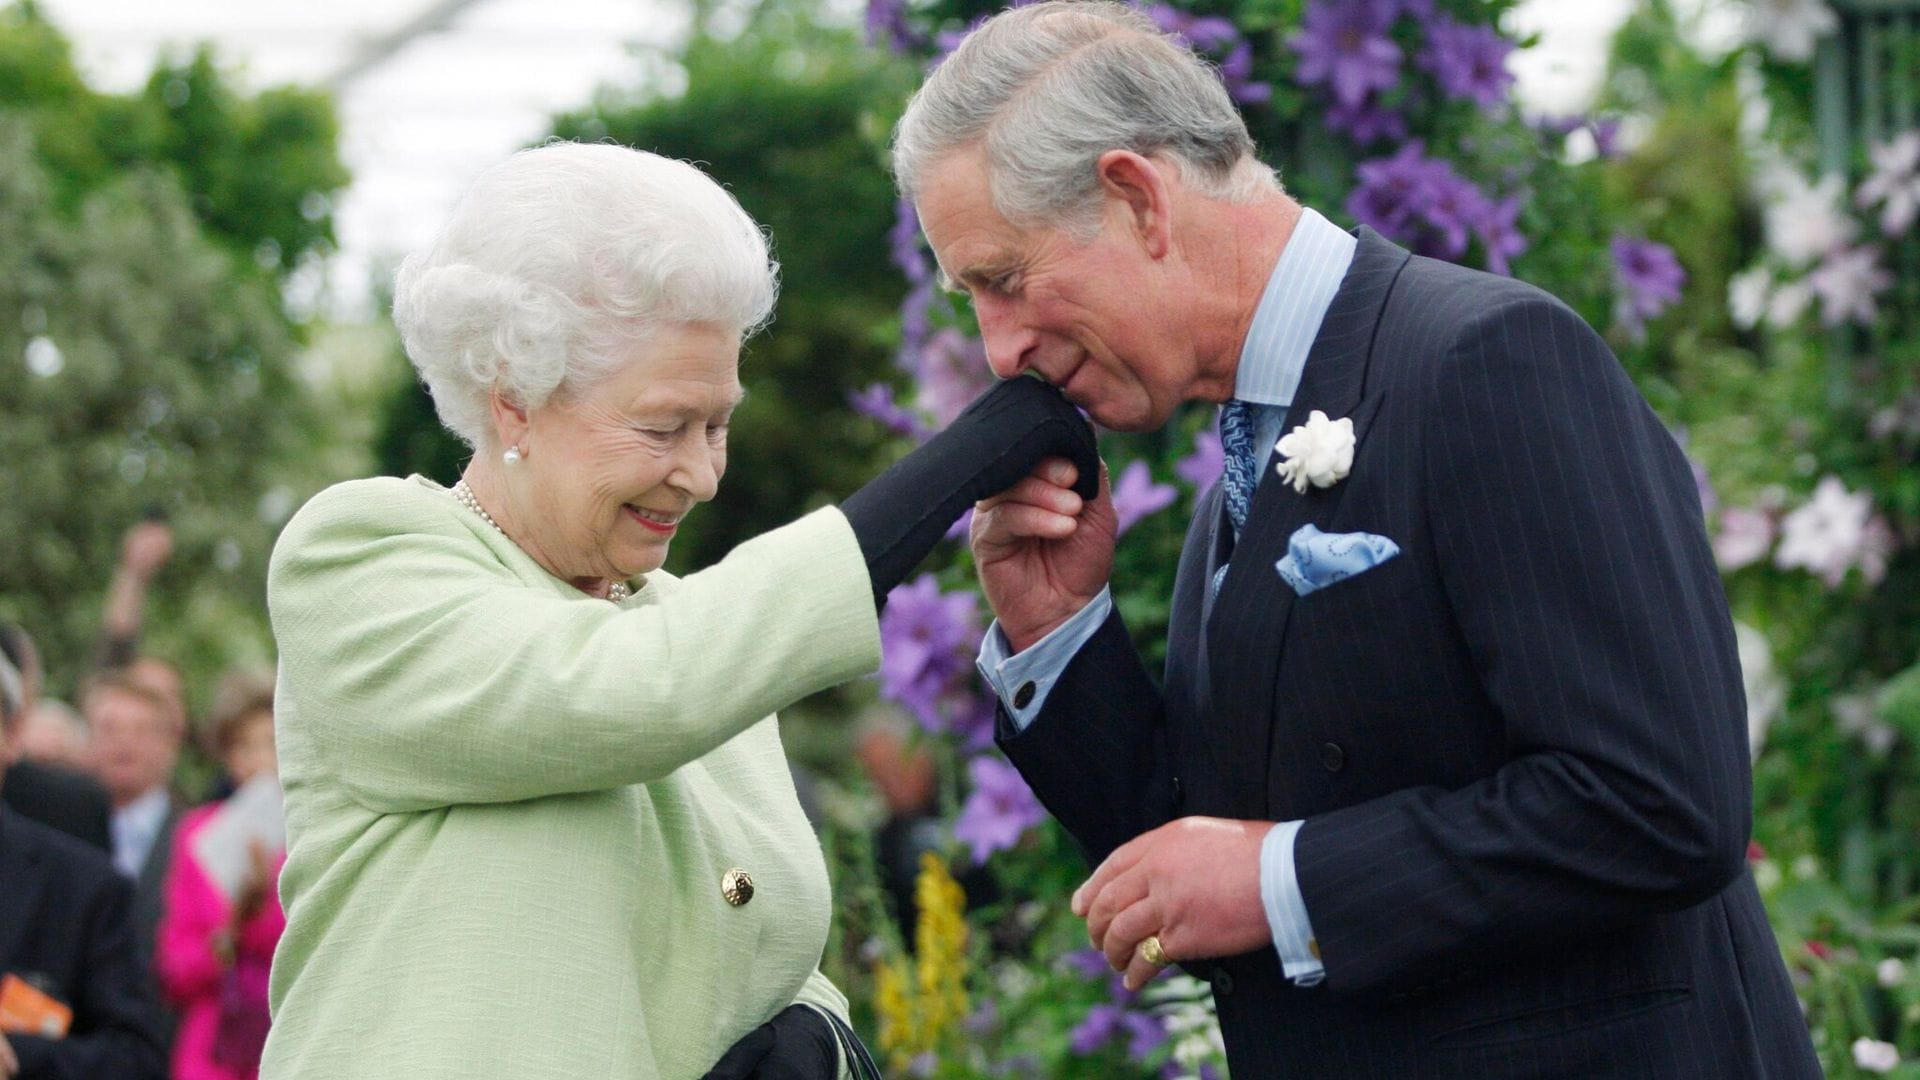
(1286, 909)
(1022, 680)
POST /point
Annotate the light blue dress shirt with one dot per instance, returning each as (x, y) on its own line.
(1292, 307)
(135, 827)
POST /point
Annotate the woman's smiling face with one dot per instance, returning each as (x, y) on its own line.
(608, 472)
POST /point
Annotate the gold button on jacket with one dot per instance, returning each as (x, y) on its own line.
(737, 886)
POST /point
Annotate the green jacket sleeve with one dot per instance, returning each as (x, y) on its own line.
(427, 671)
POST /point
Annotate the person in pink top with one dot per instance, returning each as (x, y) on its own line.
(214, 951)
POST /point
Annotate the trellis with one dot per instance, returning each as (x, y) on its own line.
(1867, 90)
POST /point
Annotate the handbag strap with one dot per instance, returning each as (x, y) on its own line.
(859, 1062)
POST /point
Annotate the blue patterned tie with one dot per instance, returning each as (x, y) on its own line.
(1239, 476)
(1236, 442)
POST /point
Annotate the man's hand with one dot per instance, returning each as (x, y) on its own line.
(1042, 551)
(1195, 883)
(147, 548)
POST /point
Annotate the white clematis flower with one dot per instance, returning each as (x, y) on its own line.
(1895, 183)
(1872, 1055)
(1806, 221)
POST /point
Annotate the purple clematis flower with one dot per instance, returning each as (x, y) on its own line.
(1469, 61)
(1218, 38)
(1136, 496)
(1366, 123)
(953, 371)
(1423, 203)
(1500, 235)
(1343, 45)
(1105, 1023)
(876, 402)
(1392, 189)
(1204, 466)
(1453, 210)
(903, 243)
(928, 640)
(1236, 72)
(1649, 278)
(1606, 136)
(887, 25)
(999, 811)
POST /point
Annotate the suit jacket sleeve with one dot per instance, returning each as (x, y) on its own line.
(1568, 534)
(427, 675)
(1097, 755)
(116, 1028)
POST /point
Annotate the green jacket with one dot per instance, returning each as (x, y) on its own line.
(510, 806)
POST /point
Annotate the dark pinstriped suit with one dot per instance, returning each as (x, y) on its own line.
(1519, 747)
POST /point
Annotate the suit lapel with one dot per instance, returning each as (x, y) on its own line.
(1248, 622)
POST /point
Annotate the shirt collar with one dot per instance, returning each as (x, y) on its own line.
(1285, 324)
(143, 815)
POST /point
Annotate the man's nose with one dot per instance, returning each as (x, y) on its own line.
(1010, 344)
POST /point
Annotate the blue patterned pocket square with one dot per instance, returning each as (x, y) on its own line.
(1315, 560)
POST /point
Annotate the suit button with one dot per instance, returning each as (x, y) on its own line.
(736, 887)
(1023, 697)
(1222, 984)
(1332, 757)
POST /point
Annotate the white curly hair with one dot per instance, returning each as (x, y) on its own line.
(558, 264)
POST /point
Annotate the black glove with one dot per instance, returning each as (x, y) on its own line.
(997, 441)
(798, 1044)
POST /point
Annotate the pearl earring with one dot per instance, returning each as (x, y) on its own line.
(512, 456)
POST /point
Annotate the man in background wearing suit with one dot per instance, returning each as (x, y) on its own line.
(138, 732)
(69, 971)
(68, 801)
(1448, 773)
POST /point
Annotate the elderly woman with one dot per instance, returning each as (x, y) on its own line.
(540, 822)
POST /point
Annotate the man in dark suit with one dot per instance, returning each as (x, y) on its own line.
(66, 942)
(1448, 773)
(68, 801)
(138, 732)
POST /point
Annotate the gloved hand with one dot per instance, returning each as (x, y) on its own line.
(797, 1044)
(989, 447)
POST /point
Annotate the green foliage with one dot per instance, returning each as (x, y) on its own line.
(146, 361)
(259, 170)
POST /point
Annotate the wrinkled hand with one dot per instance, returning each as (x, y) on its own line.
(1042, 551)
(147, 548)
(1194, 882)
(797, 1044)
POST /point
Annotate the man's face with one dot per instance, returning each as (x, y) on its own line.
(135, 739)
(1095, 319)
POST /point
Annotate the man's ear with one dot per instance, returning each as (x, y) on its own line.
(509, 420)
(1139, 184)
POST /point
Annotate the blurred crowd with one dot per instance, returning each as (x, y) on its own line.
(137, 926)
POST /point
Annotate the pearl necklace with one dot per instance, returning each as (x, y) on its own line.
(616, 592)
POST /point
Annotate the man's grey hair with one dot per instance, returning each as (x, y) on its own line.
(1045, 90)
(560, 263)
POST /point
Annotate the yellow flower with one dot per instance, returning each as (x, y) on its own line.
(921, 1003)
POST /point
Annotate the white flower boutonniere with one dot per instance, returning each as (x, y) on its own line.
(1318, 452)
